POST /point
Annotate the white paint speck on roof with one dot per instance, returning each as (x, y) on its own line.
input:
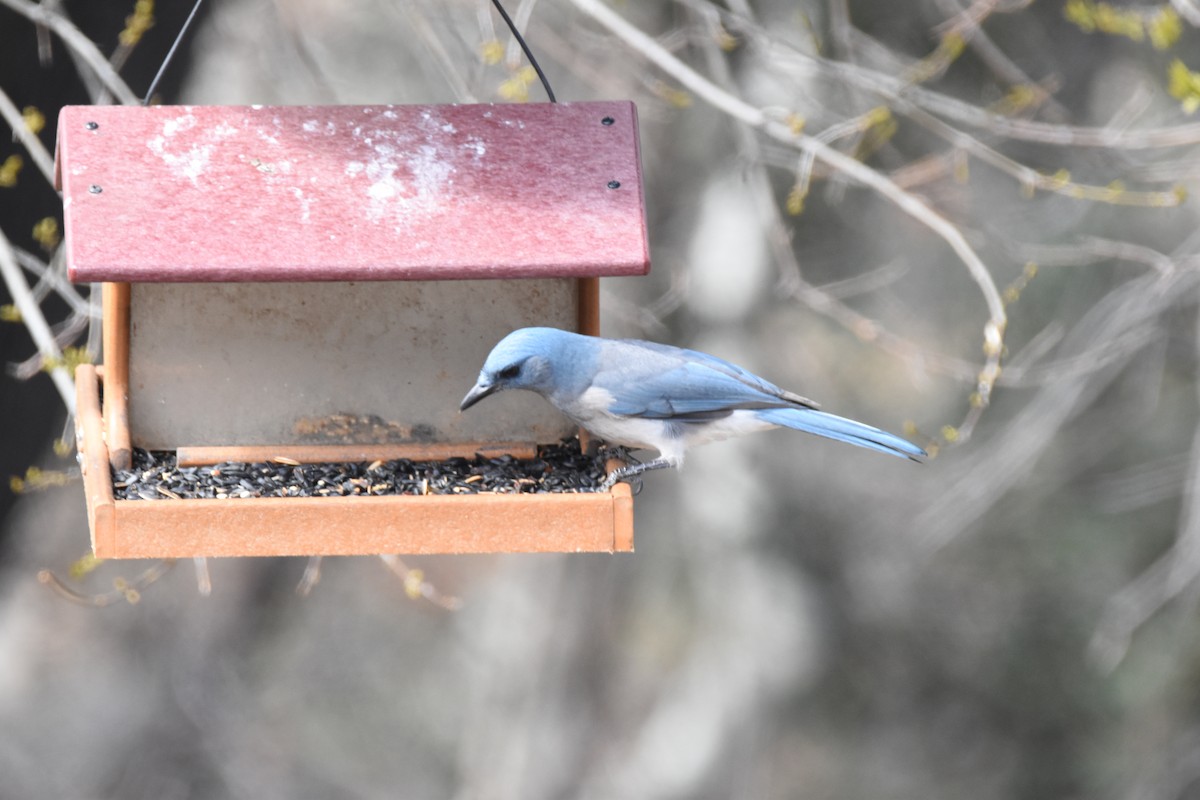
(190, 163)
(181, 123)
(305, 205)
(475, 146)
(408, 171)
(382, 190)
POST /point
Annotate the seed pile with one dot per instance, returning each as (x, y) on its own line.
(558, 468)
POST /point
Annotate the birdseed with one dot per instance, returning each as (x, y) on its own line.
(558, 468)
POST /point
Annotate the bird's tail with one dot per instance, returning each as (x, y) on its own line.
(810, 420)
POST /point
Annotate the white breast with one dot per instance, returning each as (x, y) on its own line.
(588, 411)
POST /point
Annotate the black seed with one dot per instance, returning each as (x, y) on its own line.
(557, 468)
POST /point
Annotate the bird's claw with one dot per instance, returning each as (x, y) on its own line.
(633, 473)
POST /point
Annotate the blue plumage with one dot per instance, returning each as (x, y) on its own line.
(647, 395)
(843, 430)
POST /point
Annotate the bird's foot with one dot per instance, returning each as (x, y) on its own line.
(633, 470)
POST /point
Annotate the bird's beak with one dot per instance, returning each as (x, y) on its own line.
(477, 393)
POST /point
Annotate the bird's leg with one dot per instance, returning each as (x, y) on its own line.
(633, 470)
(617, 451)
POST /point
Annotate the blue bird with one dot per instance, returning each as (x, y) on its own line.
(646, 395)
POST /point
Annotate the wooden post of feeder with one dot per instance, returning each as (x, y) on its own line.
(115, 307)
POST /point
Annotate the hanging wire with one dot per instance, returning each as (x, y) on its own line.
(503, 15)
(171, 53)
(528, 53)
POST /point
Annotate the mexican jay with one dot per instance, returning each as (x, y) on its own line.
(647, 395)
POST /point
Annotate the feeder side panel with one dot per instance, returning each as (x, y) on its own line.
(223, 364)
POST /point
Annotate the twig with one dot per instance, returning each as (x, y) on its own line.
(65, 334)
(839, 26)
(311, 576)
(648, 316)
(1052, 133)
(450, 67)
(1018, 374)
(203, 579)
(33, 145)
(1163, 581)
(1084, 251)
(990, 473)
(1128, 251)
(415, 585)
(1142, 484)
(520, 18)
(890, 87)
(966, 21)
(867, 282)
(1188, 10)
(855, 170)
(45, 44)
(35, 322)
(79, 43)
(54, 279)
(533, 62)
(1031, 178)
(129, 591)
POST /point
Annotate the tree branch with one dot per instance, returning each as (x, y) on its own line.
(31, 315)
(848, 166)
(79, 43)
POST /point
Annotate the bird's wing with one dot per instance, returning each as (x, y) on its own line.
(686, 385)
(720, 365)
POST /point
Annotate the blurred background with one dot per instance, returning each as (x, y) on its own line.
(964, 220)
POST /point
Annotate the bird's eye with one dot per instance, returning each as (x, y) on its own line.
(509, 372)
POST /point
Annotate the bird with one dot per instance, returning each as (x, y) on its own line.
(646, 395)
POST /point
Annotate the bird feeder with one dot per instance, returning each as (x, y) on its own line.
(322, 284)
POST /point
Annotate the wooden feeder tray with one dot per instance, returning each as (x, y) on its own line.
(491, 523)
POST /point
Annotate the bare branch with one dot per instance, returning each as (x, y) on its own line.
(35, 321)
(53, 277)
(1163, 581)
(129, 591)
(990, 473)
(893, 89)
(80, 44)
(415, 585)
(848, 166)
(1188, 10)
(33, 145)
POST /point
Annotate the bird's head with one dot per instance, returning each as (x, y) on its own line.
(522, 360)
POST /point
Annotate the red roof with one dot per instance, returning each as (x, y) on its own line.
(311, 193)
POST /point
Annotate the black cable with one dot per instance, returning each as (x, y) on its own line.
(171, 53)
(528, 53)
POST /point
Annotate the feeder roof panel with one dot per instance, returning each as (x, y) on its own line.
(348, 193)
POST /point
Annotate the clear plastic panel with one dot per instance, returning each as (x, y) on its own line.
(336, 363)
